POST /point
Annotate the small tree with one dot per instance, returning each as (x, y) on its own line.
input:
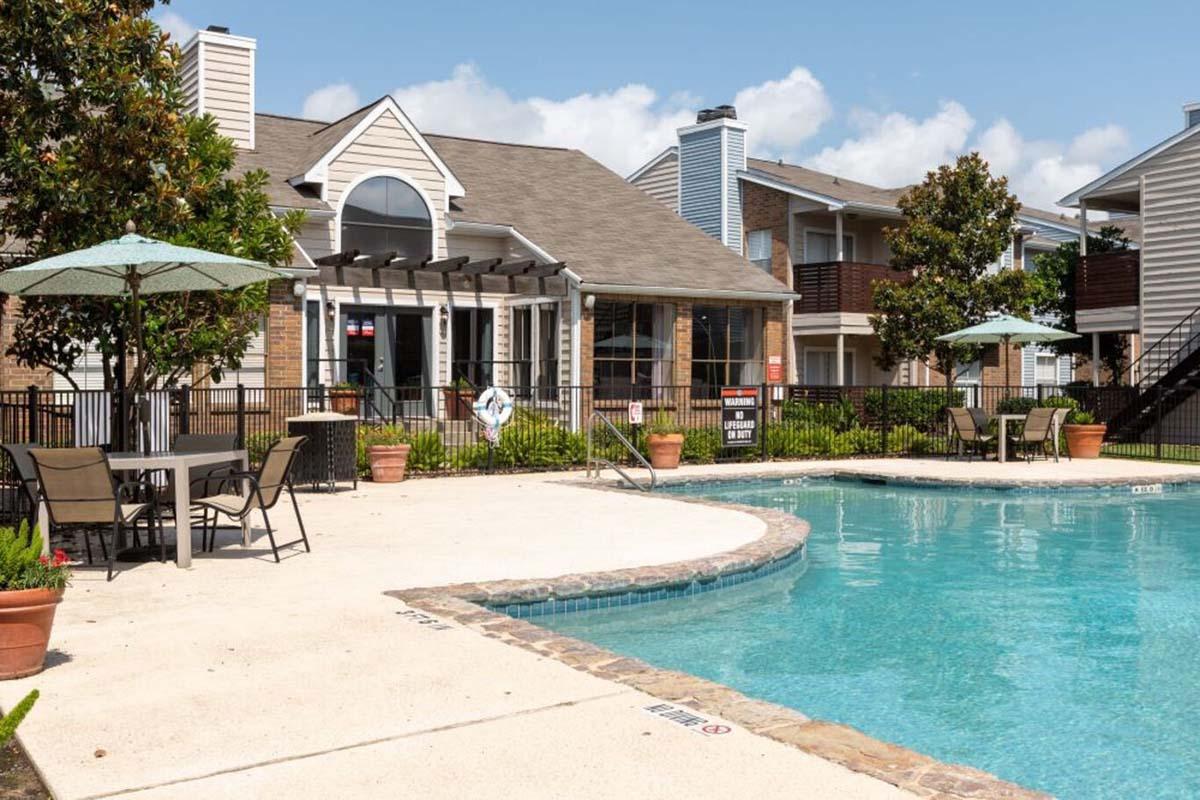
(958, 222)
(1054, 294)
(93, 132)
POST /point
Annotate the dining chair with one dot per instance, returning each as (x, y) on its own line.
(265, 488)
(1036, 432)
(969, 433)
(26, 482)
(80, 491)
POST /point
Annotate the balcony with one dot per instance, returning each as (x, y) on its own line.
(1107, 280)
(840, 286)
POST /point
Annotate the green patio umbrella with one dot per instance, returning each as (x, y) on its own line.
(1006, 330)
(134, 265)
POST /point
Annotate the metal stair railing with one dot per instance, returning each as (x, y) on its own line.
(603, 462)
(1178, 343)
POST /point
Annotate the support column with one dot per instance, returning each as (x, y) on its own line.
(840, 370)
(1095, 359)
(1083, 228)
(837, 229)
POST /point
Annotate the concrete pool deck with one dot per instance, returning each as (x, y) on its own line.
(243, 678)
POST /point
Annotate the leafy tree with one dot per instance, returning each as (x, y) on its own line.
(93, 132)
(957, 223)
(1054, 293)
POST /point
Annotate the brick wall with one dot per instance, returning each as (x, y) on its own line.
(285, 332)
(768, 208)
(12, 374)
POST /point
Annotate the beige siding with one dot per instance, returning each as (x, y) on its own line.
(662, 182)
(387, 145)
(316, 237)
(1171, 238)
(189, 79)
(229, 91)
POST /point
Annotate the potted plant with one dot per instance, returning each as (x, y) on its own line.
(459, 399)
(1084, 435)
(343, 398)
(387, 451)
(664, 438)
(31, 587)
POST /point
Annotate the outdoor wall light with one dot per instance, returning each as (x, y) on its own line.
(443, 321)
(330, 309)
(589, 301)
(298, 289)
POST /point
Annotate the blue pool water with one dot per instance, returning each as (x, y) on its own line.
(1050, 638)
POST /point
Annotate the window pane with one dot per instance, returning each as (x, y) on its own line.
(385, 214)
(709, 333)
(613, 330)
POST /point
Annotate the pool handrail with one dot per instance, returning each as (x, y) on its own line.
(603, 462)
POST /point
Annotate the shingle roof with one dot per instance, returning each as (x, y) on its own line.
(283, 146)
(828, 185)
(608, 231)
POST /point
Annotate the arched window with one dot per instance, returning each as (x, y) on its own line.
(385, 214)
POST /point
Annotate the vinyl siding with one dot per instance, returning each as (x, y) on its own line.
(662, 182)
(229, 91)
(735, 155)
(189, 78)
(387, 145)
(1171, 238)
(700, 180)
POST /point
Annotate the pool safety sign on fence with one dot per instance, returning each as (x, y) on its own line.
(739, 416)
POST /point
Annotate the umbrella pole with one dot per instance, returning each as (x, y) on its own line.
(134, 281)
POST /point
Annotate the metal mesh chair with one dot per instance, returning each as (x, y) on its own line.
(973, 439)
(79, 490)
(1036, 432)
(26, 481)
(266, 487)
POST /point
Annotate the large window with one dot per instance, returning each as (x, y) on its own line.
(1045, 369)
(726, 348)
(820, 366)
(633, 348)
(472, 346)
(384, 215)
(535, 342)
(820, 247)
(758, 248)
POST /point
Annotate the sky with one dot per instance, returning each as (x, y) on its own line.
(1053, 94)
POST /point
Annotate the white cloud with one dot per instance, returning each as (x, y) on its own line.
(331, 102)
(621, 128)
(179, 29)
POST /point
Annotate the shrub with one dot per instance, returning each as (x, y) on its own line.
(428, 454)
(257, 445)
(701, 445)
(1081, 417)
(371, 435)
(8, 725)
(662, 424)
(860, 441)
(22, 565)
(1060, 401)
(923, 409)
(840, 415)
(908, 439)
(1016, 405)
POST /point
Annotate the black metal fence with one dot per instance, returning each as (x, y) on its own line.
(547, 430)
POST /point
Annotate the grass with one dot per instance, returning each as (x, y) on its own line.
(1185, 453)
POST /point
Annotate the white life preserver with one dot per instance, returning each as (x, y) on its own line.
(494, 407)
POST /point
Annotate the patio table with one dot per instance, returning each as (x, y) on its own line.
(1002, 421)
(179, 464)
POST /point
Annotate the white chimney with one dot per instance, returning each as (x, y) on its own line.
(711, 153)
(217, 73)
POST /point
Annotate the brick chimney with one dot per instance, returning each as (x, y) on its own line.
(217, 73)
(710, 154)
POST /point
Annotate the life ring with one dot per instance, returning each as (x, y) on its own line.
(494, 407)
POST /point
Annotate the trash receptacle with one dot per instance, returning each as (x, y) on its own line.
(331, 453)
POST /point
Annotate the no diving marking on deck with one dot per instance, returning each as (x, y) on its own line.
(433, 623)
(684, 716)
(1148, 488)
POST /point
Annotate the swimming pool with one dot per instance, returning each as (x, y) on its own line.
(1052, 638)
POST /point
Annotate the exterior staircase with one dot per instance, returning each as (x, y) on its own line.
(1169, 373)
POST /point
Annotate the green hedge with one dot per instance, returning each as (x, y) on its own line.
(923, 409)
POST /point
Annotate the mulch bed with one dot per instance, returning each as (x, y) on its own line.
(18, 781)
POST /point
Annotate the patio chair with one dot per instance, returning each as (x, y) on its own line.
(26, 481)
(79, 490)
(1036, 432)
(980, 417)
(266, 487)
(205, 481)
(973, 438)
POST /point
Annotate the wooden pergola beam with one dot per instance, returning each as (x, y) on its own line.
(482, 267)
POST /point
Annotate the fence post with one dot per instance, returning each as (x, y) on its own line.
(32, 423)
(765, 452)
(1158, 393)
(886, 422)
(185, 409)
(241, 415)
(320, 397)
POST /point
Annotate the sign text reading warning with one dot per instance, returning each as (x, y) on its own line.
(739, 416)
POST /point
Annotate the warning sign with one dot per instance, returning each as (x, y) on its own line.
(739, 416)
(636, 413)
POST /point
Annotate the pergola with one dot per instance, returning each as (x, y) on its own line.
(386, 270)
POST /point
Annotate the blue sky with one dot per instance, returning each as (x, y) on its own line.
(1052, 92)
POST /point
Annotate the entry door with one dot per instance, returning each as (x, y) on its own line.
(387, 352)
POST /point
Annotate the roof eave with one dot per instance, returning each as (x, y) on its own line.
(1075, 198)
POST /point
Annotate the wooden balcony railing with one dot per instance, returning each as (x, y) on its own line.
(1107, 280)
(840, 286)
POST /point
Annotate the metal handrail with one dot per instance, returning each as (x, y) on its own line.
(1171, 340)
(602, 462)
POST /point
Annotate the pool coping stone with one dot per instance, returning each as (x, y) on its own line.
(785, 535)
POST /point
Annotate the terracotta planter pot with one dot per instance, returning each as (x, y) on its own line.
(665, 449)
(388, 462)
(344, 401)
(1083, 441)
(26, 616)
(459, 403)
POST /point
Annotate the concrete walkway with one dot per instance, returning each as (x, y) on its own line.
(244, 678)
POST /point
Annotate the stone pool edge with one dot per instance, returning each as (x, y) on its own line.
(785, 535)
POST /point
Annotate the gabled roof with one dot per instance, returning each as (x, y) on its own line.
(825, 185)
(1073, 199)
(670, 152)
(608, 231)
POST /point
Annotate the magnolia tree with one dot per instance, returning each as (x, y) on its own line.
(958, 222)
(93, 132)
